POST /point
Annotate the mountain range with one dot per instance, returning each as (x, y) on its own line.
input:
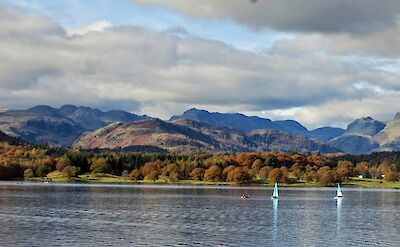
(187, 136)
(60, 127)
(193, 131)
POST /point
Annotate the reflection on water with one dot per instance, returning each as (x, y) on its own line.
(275, 223)
(87, 215)
(338, 217)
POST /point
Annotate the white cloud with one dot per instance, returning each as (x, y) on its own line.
(98, 26)
(162, 74)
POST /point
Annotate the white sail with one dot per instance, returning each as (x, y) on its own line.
(339, 193)
(275, 195)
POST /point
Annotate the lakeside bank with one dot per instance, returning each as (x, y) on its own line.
(113, 179)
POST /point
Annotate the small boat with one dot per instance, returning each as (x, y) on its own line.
(339, 194)
(245, 196)
(275, 194)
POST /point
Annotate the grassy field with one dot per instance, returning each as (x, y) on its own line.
(371, 183)
(108, 178)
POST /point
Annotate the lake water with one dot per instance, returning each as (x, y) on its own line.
(126, 215)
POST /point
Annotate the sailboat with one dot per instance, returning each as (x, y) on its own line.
(275, 194)
(339, 193)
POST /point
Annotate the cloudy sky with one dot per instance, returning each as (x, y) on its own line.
(320, 62)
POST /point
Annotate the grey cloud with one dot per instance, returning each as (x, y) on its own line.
(327, 16)
(341, 27)
(160, 73)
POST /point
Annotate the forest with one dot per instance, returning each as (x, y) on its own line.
(18, 162)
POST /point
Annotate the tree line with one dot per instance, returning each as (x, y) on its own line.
(26, 161)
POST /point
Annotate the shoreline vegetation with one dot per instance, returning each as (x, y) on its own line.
(52, 164)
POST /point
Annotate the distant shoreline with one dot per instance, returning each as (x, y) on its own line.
(112, 179)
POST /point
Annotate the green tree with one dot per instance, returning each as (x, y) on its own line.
(42, 171)
(310, 176)
(70, 171)
(100, 165)
(75, 171)
(28, 173)
(271, 161)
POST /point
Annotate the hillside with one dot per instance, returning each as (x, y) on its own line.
(358, 136)
(325, 133)
(364, 126)
(10, 139)
(190, 136)
(389, 137)
(354, 144)
(152, 133)
(266, 140)
(59, 127)
(193, 131)
(240, 122)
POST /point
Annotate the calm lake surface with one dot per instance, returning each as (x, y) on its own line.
(127, 215)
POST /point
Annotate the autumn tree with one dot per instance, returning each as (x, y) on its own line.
(135, 175)
(152, 176)
(225, 172)
(239, 176)
(172, 171)
(257, 165)
(361, 168)
(374, 173)
(70, 171)
(197, 173)
(264, 172)
(326, 176)
(385, 168)
(344, 169)
(66, 172)
(278, 175)
(150, 167)
(392, 176)
(297, 171)
(63, 162)
(213, 174)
